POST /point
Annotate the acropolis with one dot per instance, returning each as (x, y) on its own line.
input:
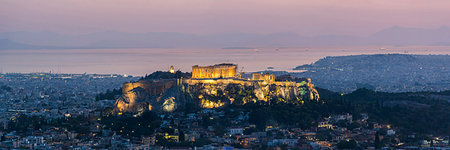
(211, 87)
(216, 71)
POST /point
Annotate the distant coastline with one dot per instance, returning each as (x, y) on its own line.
(380, 72)
(238, 48)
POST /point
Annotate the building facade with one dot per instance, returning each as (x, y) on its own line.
(215, 71)
(263, 77)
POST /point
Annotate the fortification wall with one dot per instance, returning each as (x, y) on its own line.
(219, 81)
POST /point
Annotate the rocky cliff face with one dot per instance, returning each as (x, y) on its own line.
(209, 95)
(134, 100)
(140, 96)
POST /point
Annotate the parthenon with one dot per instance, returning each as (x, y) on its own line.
(215, 71)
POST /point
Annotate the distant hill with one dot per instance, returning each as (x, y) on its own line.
(383, 72)
(411, 36)
(395, 36)
(237, 48)
(7, 44)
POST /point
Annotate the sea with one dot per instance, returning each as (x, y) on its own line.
(138, 62)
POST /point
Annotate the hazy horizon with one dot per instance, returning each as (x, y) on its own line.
(148, 60)
(32, 32)
(205, 17)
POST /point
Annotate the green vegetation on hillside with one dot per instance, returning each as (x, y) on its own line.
(410, 111)
(417, 112)
(127, 124)
(166, 75)
(109, 94)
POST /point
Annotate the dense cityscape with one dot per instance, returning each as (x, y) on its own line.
(224, 75)
(76, 111)
(382, 72)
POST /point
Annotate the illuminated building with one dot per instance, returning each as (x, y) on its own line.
(263, 77)
(175, 138)
(325, 124)
(171, 70)
(172, 137)
(216, 71)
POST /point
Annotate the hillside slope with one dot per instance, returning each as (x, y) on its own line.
(381, 72)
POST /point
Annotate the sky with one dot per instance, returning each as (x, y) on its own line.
(305, 17)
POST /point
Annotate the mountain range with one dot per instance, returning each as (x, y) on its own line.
(394, 36)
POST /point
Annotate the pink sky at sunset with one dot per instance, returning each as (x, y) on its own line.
(306, 17)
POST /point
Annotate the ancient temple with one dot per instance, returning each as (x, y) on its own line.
(215, 71)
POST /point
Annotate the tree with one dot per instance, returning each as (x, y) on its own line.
(377, 141)
(219, 130)
(249, 131)
(259, 118)
(354, 125)
(323, 135)
(344, 144)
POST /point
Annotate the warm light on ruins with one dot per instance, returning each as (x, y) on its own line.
(211, 104)
(209, 85)
(263, 77)
(216, 71)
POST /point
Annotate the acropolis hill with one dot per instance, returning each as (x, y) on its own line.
(211, 87)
